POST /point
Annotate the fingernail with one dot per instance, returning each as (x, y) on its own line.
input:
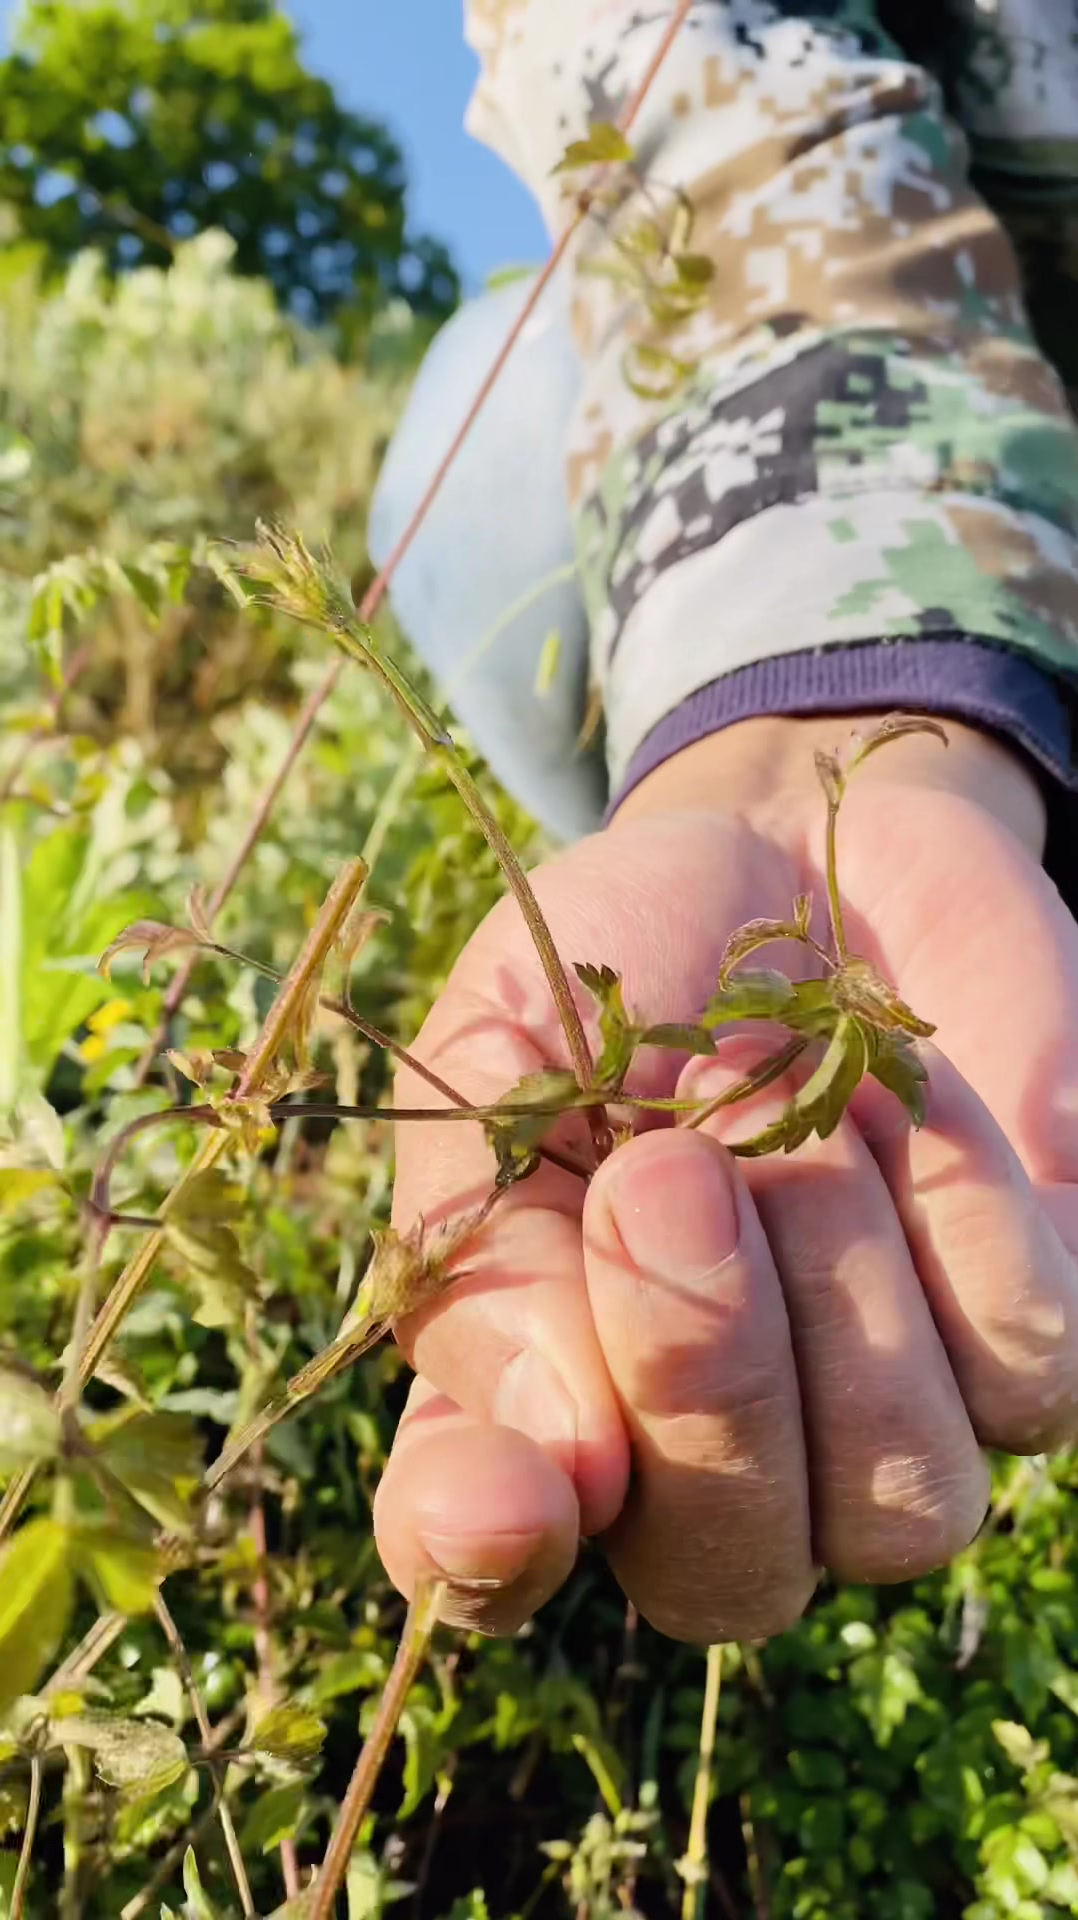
(675, 1209)
(481, 1560)
(534, 1400)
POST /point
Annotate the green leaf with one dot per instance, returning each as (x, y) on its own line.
(20, 1184)
(820, 1104)
(157, 1457)
(29, 1425)
(604, 145)
(824, 1098)
(289, 1732)
(617, 1032)
(200, 1906)
(812, 1009)
(515, 1136)
(125, 1573)
(275, 1816)
(214, 1269)
(897, 1068)
(166, 1699)
(695, 269)
(134, 1756)
(686, 1039)
(754, 994)
(36, 1596)
(1018, 1744)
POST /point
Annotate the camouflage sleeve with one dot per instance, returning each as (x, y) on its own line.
(1011, 70)
(861, 467)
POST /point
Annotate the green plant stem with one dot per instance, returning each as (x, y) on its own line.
(202, 1720)
(70, 1387)
(356, 641)
(834, 898)
(304, 973)
(411, 1653)
(22, 1875)
(694, 1865)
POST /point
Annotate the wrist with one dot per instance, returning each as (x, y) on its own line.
(764, 765)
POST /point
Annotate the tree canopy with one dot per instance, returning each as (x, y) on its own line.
(129, 125)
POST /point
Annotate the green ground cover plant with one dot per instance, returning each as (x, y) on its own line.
(211, 1700)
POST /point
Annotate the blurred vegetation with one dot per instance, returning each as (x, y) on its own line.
(130, 125)
(910, 1754)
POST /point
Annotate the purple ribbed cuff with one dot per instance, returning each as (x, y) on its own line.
(964, 678)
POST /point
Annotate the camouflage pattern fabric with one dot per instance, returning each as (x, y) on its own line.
(871, 444)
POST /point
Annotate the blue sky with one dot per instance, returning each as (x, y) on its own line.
(405, 61)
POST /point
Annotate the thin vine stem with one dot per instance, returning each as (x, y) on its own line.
(411, 1653)
(694, 1865)
(22, 1875)
(202, 1720)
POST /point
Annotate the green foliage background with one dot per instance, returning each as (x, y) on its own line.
(903, 1755)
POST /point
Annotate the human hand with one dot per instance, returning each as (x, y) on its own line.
(736, 1372)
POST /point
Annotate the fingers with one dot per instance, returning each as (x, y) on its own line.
(1001, 1282)
(713, 1541)
(898, 1481)
(481, 1505)
(975, 935)
(514, 1340)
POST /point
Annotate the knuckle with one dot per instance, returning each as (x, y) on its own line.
(920, 1516)
(752, 1614)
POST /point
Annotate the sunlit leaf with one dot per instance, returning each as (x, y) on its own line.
(29, 1425)
(1018, 1744)
(36, 1596)
(199, 1904)
(124, 1572)
(604, 145)
(20, 1184)
(158, 1459)
(135, 1756)
(289, 1732)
